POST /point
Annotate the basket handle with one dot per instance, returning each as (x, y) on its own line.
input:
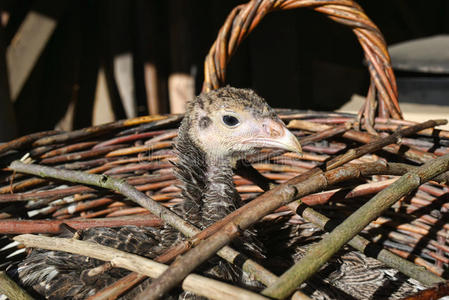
(244, 18)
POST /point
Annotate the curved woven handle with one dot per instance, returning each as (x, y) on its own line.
(244, 18)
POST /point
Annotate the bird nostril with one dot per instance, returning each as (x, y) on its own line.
(273, 129)
(277, 131)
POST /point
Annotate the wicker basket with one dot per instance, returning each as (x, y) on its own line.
(140, 150)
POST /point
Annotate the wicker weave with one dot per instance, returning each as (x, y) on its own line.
(140, 151)
(141, 154)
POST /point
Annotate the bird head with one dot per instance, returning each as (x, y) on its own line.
(230, 123)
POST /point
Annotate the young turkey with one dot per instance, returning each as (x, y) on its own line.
(219, 128)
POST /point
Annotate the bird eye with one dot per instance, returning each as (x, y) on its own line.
(230, 121)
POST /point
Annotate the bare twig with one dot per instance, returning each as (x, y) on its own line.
(80, 155)
(361, 244)
(11, 289)
(118, 287)
(361, 190)
(63, 192)
(195, 283)
(24, 141)
(392, 125)
(330, 244)
(54, 226)
(325, 134)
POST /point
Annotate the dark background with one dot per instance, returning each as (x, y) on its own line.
(297, 59)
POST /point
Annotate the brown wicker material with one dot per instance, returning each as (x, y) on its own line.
(140, 152)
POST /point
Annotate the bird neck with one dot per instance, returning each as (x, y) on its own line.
(208, 189)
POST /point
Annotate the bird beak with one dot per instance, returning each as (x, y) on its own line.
(288, 141)
(275, 135)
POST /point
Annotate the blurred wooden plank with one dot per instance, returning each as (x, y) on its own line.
(181, 89)
(152, 88)
(123, 74)
(26, 47)
(102, 111)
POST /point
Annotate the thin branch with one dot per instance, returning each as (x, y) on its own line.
(24, 141)
(11, 289)
(325, 134)
(12, 226)
(372, 144)
(125, 283)
(197, 284)
(79, 155)
(321, 252)
(63, 192)
(393, 125)
(118, 287)
(348, 193)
